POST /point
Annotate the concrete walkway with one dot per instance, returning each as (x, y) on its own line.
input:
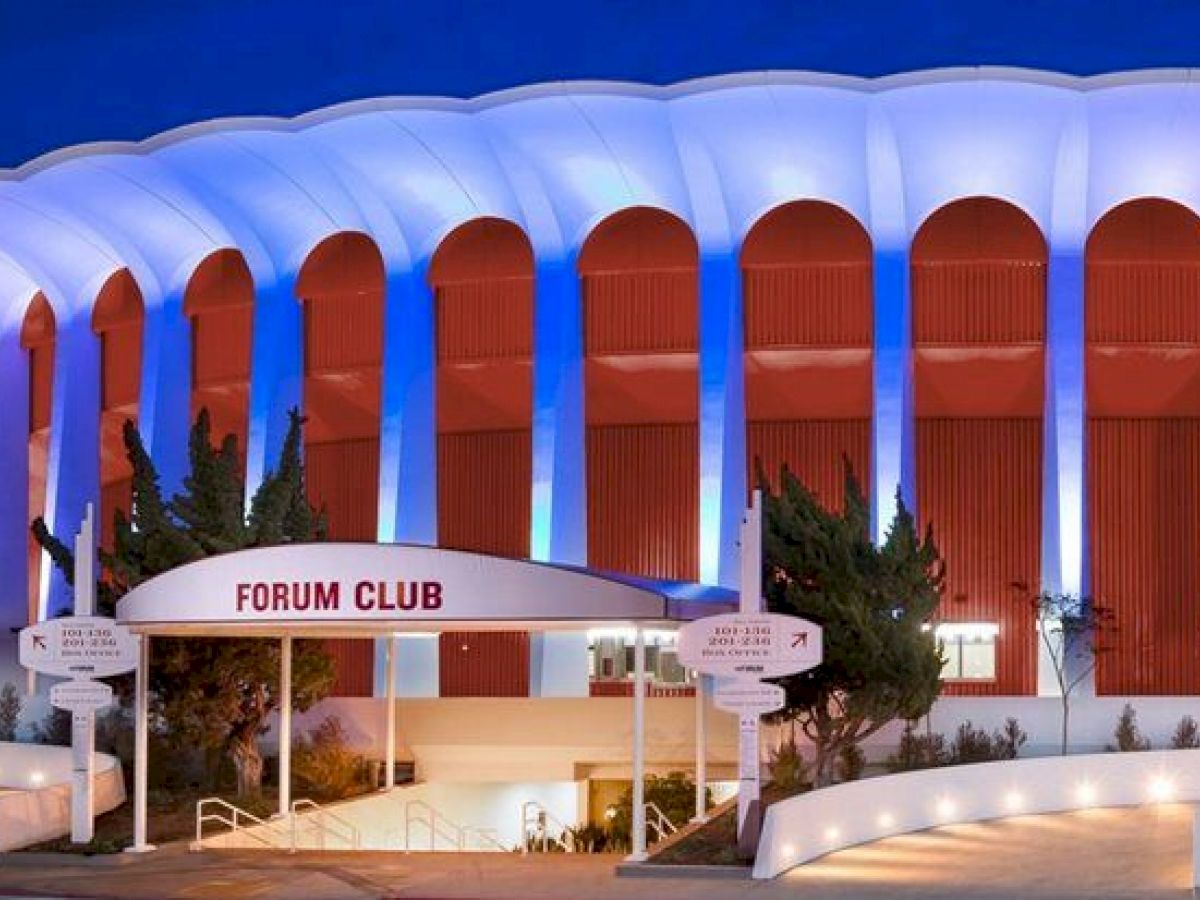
(1093, 854)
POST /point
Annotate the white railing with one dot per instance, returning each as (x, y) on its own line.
(657, 821)
(348, 837)
(238, 821)
(810, 825)
(453, 836)
(535, 827)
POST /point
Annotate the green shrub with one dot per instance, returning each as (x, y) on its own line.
(851, 762)
(918, 751)
(1187, 735)
(974, 745)
(1129, 738)
(10, 711)
(324, 764)
(788, 769)
(589, 838)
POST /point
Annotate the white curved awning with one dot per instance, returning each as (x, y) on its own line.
(328, 589)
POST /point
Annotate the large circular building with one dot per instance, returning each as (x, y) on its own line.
(563, 322)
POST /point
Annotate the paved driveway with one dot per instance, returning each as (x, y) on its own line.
(1092, 854)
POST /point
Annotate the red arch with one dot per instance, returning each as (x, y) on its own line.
(979, 310)
(341, 286)
(639, 272)
(1142, 321)
(482, 275)
(219, 300)
(806, 289)
(38, 333)
(117, 318)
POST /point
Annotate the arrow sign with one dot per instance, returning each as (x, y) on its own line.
(81, 696)
(750, 645)
(752, 697)
(78, 647)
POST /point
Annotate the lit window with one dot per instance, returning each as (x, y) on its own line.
(611, 653)
(969, 649)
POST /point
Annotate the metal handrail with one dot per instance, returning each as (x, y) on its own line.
(662, 825)
(234, 823)
(353, 837)
(458, 836)
(540, 819)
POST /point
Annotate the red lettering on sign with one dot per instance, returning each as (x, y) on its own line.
(326, 595)
(364, 597)
(431, 595)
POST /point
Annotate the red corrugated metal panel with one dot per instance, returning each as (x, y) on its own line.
(113, 496)
(354, 662)
(483, 664)
(979, 481)
(343, 477)
(979, 302)
(41, 385)
(615, 688)
(640, 312)
(813, 450)
(121, 363)
(485, 320)
(484, 485)
(1147, 302)
(221, 345)
(1144, 489)
(823, 305)
(643, 486)
(344, 332)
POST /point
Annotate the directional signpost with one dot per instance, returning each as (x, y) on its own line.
(746, 647)
(81, 647)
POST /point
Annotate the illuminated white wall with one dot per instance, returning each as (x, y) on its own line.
(810, 825)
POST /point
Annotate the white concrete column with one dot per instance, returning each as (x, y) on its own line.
(638, 827)
(285, 726)
(1195, 847)
(141, 716)
(701, 752)
(389, 778)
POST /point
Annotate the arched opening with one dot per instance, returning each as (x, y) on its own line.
(482, 279)
(807, 309)
(219, 301)
(38, 332)
(640, 285)
(639, 271)
(1142, 326)
(978, 325)
(341, 286)
(117, 319)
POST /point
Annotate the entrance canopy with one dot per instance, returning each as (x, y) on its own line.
(329, 589)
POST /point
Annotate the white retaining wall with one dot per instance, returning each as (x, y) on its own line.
(35, 792)
(810, 825)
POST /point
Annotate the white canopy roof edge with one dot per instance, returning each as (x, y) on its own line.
(331, 589)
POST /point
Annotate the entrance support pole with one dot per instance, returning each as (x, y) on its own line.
(389, 777)
(285, 726)
(638, 837)
(141, 715)
(701, 754)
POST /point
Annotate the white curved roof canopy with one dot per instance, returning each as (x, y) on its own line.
(558, 158)
(361, 589)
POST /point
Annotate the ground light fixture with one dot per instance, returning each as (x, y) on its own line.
(36, 779)
(886, 820)
(1161, 789)
(1085, 793)
(946, 808)
(832, 833)
(1014, 801)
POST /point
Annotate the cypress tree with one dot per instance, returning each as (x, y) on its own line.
(881, 660)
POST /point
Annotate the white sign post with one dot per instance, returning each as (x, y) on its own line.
(746, 647)
(81, 647)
